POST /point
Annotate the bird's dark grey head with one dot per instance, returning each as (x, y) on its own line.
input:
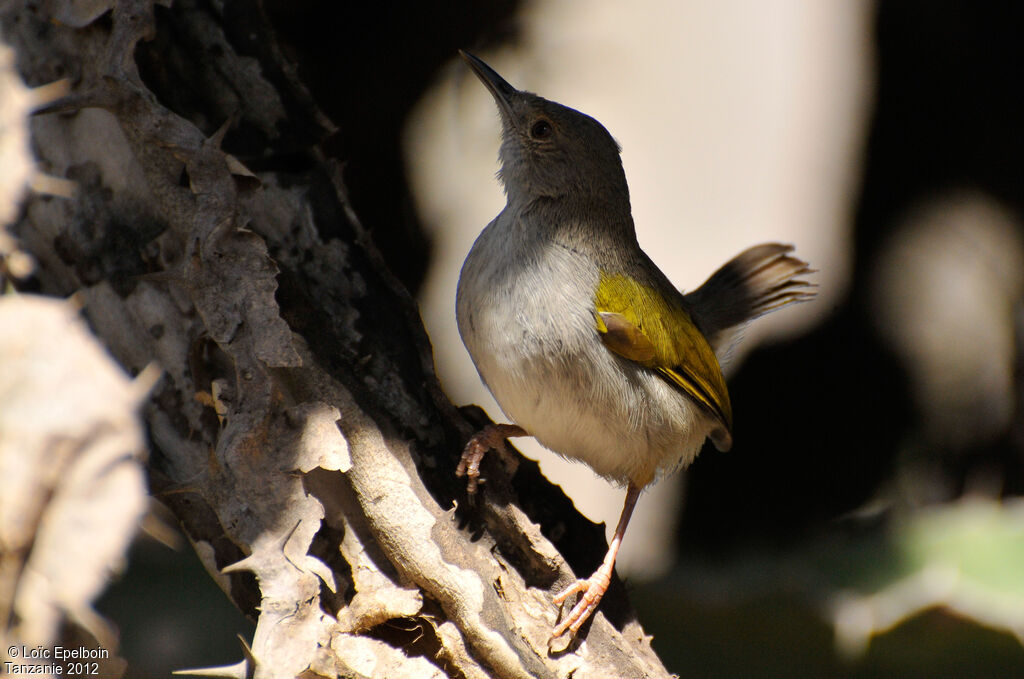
(550, 150)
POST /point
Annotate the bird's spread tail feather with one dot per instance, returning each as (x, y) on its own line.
(760, 279)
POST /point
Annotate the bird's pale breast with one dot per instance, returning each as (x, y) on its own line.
(526, 315)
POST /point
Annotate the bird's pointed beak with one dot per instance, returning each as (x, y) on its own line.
(498, 86)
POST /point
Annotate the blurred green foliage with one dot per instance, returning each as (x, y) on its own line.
(933, 593)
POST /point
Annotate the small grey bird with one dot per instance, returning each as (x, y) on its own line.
(582, 340)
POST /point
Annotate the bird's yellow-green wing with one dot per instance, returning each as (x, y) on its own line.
(638, 323)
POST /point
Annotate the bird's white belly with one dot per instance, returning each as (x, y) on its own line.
(539, 353)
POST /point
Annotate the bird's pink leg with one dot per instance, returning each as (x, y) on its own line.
(594, 587)
(490, 437)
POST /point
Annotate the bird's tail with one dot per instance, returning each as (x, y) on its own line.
(758, 280)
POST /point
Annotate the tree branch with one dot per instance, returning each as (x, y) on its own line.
(299, 432)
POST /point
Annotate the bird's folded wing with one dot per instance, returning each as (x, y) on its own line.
(637, 324)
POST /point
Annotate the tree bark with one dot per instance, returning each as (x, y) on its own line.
(298, 432)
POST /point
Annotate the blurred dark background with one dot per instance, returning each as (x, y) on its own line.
(831, 411)
(856, 469)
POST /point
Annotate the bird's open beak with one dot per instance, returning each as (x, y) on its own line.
(498, 86)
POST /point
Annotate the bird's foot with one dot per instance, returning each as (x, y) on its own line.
(490, 437)
(592, 589)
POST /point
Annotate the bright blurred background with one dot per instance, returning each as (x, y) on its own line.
(868, 521)
(728, 141)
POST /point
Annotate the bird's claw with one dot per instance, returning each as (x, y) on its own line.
(592, 590)
(469, 464)
(490, 437)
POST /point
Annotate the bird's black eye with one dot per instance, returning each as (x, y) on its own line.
(540, 129)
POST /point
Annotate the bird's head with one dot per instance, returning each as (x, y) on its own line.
(549, 150)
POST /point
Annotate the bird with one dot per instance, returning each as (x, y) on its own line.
(582, 340)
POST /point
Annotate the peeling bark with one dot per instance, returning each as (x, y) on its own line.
(299, 432)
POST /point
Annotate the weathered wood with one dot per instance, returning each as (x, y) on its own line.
(298, 406)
